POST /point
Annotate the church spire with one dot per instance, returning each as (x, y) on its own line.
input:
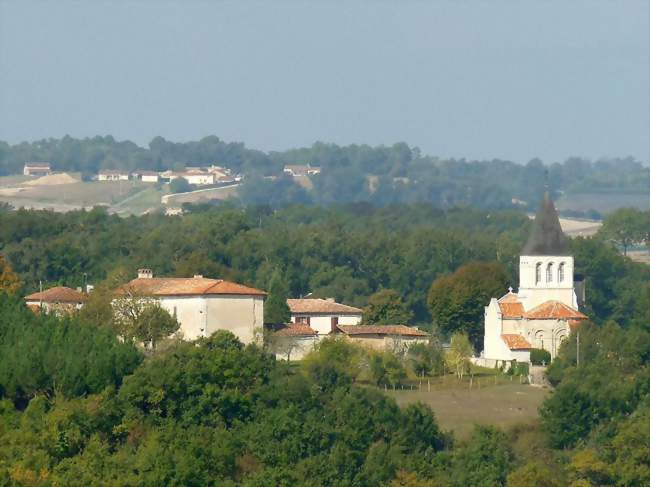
(547, 237)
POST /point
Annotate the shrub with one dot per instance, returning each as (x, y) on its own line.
(539, 356)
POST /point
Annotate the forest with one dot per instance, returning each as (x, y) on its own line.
(381, 175)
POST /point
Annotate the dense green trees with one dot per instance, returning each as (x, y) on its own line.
(276, 309)
(626, 227)
(386, 307)
(456, 301)
(346, 252)
(42, 355)
(9, 282)
(180, 185)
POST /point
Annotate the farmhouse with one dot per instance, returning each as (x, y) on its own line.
(296, 170)
(37, 169)
(146, 176)
(201, 305)
(323, 315)
(544, 311)
(194, 176)
(58, 300)
(112, 175)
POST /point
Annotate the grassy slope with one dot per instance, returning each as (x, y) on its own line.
(502, 402)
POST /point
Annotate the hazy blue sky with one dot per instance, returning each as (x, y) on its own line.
(470, 79)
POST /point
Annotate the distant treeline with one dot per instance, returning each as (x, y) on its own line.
(381, 175)
(346, 252)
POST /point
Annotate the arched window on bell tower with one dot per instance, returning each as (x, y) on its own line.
(560, 272)
(538, 273)
(549, 272)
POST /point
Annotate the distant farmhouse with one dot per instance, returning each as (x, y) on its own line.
(37, 169)
(57, 300)
(296, 170)
(113, 175)
(544, 311)
(201, 305)
(146, 176)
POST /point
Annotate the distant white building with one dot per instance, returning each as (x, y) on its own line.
(202, 306)
(113, 175)
(146, 176)
(196, 177)
(37, 169)
(296, 170)
(544, 311)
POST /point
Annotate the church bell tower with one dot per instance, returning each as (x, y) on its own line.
(545, 264)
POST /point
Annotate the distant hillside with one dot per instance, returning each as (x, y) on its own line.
(380, 175)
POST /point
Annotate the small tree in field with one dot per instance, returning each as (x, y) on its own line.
(459, 354)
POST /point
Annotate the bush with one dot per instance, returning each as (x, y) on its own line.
(180, 185)
(539, 356)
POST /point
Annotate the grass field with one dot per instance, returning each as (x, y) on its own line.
(459, 408)
(82, 194)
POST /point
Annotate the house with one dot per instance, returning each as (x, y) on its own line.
(201, 305)
(146, 176)
(194, 176)
(292, 341)
(113, 175)
(37, 169)
(59, 300)
(384, 337)
(296, 170)
(323, 315)
(544, 311)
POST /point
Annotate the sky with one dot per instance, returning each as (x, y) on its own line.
(465, 79)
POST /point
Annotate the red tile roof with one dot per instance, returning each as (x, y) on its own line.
(401, 330)
(58, 294)
(515, 342)
(511, 307)
(320, 306)
(296, 330)
(554, 310)
(182, 286)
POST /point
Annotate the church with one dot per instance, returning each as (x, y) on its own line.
(544, 310)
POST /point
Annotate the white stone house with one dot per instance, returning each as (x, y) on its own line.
(113, 175)
(37, 169)
(323, 315)
(544, 311)
(201, 305)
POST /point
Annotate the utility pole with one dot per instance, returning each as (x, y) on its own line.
(577, 348)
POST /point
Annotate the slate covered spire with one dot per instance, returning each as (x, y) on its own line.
(547, 237)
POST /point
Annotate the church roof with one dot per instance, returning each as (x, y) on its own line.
(515, 342)
(511, 307)
(554, 310)
(547, 237)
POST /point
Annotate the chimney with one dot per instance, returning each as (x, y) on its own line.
(198, 276)
(330, 300)
(145, 274)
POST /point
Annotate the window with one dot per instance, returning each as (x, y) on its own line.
(538, 273)
(560, 272)
(549, 272)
